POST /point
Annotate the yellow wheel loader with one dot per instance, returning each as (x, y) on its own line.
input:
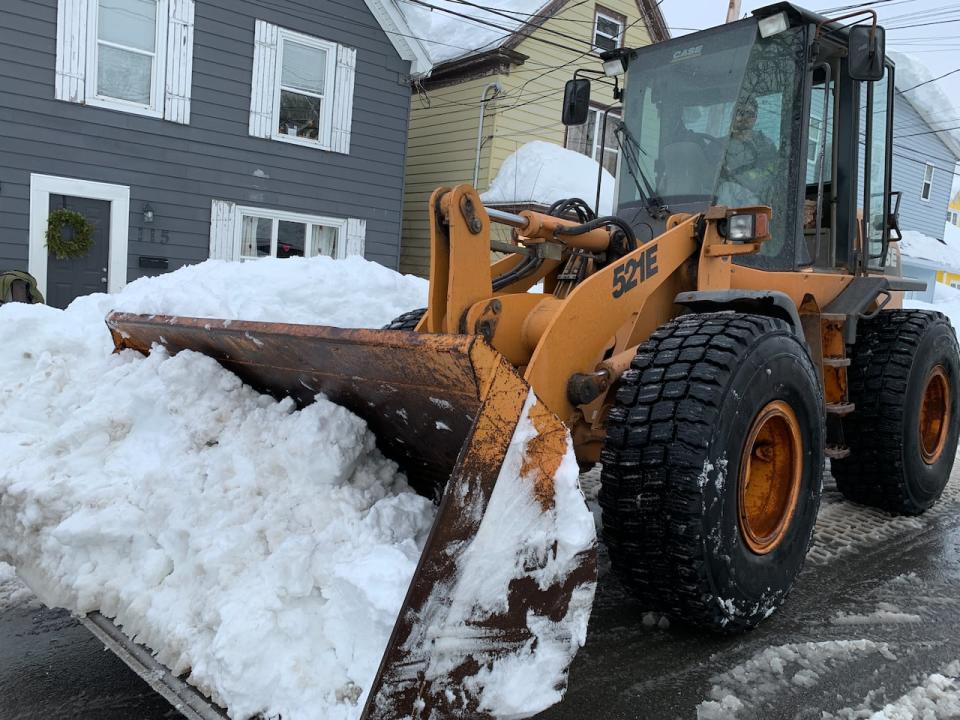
(711, 343)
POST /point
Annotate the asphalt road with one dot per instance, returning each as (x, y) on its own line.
(876, 611)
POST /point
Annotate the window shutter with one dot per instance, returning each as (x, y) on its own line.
(70, 83)
(262, 89)
(356, 236)
(343, 100)
(223, 244)
(179, 74)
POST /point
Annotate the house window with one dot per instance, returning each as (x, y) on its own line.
(585, 139)
(266, 233)
(302, 89)
(129, 52)
(927, 182)
(130, 55)
(607, 30)
(306, 76)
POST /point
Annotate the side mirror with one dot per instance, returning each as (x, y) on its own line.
(865, 52)
(576, 101)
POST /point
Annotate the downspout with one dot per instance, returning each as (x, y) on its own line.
(483, 108)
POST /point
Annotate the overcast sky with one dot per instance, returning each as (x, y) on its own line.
(935, 45)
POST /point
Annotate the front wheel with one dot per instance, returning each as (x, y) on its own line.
(903, 433)
(408, 321)
(712, 468)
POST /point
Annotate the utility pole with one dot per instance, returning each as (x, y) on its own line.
(733, 11)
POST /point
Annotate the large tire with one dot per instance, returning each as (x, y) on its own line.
(672, 482)
(899, 356)
(407, 321)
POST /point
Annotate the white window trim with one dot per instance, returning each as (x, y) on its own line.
(606, 15)
(598, 112)
(281, 215)
(41, 187)
(329, 88)
(158, 75)
(925, 183)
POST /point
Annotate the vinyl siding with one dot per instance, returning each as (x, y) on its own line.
(540, 119)
(910, 156)
(178, 169)
(443, 137)
(441, 151)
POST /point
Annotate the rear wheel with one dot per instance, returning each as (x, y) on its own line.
(904, 380)
(712, 468)
(407, 321)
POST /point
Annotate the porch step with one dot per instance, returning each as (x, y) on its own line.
(836, 452)
(840, 409)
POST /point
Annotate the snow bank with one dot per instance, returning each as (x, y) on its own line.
(945, 299)
(541, 172)
(13, 593)
(463, 36)
(346, 293)
(929, 99)
(262, 549)
(945, 253)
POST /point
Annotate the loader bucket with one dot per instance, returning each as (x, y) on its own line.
(445, 408)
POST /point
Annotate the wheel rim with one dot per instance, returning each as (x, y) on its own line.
(771, 470)
(934, 415)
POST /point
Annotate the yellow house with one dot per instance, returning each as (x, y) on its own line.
(953, 210)
(514, 86)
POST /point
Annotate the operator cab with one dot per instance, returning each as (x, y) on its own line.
(768, 110)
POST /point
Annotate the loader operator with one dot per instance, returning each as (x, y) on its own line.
(750, 163)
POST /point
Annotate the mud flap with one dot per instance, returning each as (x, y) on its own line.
(451, 412)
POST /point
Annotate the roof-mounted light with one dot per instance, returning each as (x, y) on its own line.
(773, 24)
(613, 67)
(614, 61)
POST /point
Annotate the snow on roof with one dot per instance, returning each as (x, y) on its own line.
(401, 35)
(541, 172)
(458, 36)
(928, 99)
(945, 254)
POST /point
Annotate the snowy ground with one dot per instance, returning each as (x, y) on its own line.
(870, 633)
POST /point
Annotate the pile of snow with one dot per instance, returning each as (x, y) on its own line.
(458, 36)
(13, 593)
(945, 299)
(741, 691)
(320, 291)
(944, 253)
(928, 99)
(938, 698)
(541, 172)
(263, 549)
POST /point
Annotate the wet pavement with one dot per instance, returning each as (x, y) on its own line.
(876, 611)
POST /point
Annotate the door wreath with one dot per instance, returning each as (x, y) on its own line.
(77, 242)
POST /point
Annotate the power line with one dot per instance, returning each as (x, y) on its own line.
(478, 21)
(927, 82)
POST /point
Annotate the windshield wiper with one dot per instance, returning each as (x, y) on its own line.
(629, 146)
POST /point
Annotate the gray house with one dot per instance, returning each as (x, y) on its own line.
(188, 129)
(924, 155)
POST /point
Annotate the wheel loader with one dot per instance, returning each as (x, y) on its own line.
(728, 329)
